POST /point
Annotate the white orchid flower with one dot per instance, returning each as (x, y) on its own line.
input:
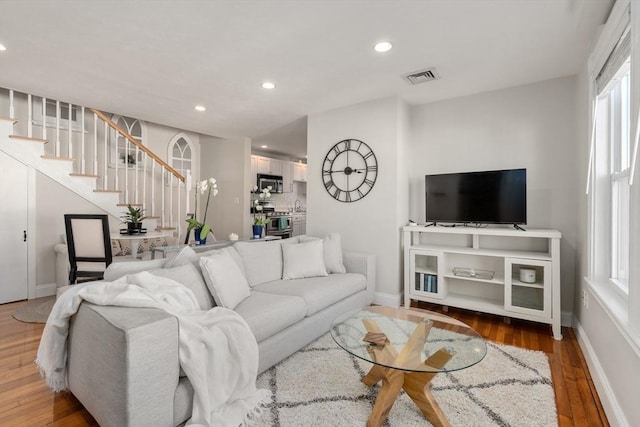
(212, 180)
(259, 207)
(215, 192)
(261, 195)
(269, 188)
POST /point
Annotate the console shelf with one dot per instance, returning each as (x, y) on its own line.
(431, 254)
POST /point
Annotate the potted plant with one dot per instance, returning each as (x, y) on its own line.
(259, 219)
(201, 229)
(133, 217)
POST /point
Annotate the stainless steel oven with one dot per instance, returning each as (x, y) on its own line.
(273, 181)
(279, 225)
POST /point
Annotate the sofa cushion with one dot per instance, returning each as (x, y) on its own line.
(317, 292)
(301, 260)
(189, 276)
(332, 248)
(224, 279)
(262, 260)
(268, 313)
(118, 269)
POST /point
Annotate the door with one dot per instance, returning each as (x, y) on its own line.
(14, 284)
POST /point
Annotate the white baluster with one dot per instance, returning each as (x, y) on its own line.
(12, 110)
(171, 178)
(44, 118)
(57, 128)
(104, 161)
(126, 171)
(178, 209)
(144, 179)
(135, 174)
(95, 145)
(117, 161)
(29, 116)
(162, 206)
(69, 146)
(153, 187)
(82, 159)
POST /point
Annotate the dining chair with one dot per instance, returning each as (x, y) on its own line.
(89, 246)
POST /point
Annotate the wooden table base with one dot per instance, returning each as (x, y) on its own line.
(415, 384)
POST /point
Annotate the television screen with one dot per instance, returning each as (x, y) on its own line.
(490, 197)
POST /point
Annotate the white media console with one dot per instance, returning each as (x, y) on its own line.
(502, 271)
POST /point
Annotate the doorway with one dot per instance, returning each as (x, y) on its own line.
(14, 236)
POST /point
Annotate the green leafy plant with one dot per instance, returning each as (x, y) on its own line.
(210, 187)
(133, 215)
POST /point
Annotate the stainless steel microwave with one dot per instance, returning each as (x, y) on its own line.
(275, 181)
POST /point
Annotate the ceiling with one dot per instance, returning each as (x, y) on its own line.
(155, 60)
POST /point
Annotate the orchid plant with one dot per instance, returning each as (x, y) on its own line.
(259, 217)
(210, 187)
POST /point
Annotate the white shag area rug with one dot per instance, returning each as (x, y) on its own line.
(320, 386)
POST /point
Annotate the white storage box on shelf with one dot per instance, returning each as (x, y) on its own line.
(481, 269)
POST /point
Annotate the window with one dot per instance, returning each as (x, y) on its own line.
(181, 154)
(121, 149)
(51, 115)
(609, 191)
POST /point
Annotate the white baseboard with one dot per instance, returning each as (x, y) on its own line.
(46, 290)
(390, 300)
(615, 415)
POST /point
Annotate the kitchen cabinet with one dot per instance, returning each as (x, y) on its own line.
(287, 177)
(269, 166)
(300, 172)
(298, 224)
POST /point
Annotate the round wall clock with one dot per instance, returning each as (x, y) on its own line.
(349, 170)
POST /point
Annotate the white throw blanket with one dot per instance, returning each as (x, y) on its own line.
(217, 350)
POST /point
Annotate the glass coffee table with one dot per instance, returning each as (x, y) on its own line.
(407, 347)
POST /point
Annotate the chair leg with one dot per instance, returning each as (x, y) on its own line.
(72, 276)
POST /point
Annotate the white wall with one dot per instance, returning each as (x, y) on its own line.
(52, 202)
(612, 356)
(371, 224)
(230, 163)
(530, 127)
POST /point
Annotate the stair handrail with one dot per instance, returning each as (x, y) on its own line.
(132, 140)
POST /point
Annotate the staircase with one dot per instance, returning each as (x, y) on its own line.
(85, 151)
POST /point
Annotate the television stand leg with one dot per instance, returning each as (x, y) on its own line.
(517, 227)
(430, 224)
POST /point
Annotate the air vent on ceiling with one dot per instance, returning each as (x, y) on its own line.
(422, 76)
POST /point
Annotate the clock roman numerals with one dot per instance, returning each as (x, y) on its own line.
(349, 170)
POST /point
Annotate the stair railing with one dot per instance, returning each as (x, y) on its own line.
(151, 182)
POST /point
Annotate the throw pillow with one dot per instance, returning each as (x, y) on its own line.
(224, 279)
(332, 247)
(189, 276)
(303, 260)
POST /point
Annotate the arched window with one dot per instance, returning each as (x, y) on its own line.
(180, 153)
(123, 151)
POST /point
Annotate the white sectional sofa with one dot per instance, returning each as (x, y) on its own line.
(123, 362)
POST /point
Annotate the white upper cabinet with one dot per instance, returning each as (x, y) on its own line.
(300, 172)
(287, 177)
(269, 166)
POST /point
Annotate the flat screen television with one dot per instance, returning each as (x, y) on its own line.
(489, 197)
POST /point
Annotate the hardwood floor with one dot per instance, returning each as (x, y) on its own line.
(25, 400)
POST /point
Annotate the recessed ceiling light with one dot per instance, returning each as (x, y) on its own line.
(383, 47)
(268, 85)
(201, 108)
(264, 146)
(2, 47)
